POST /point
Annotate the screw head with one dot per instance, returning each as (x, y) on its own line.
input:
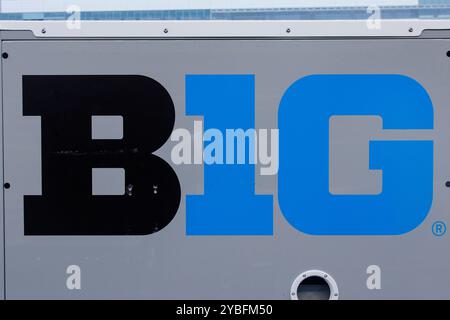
(288, 30)
(447, 184)
(7, 185)
(411, 30)
(166, 30)
(5, 55)
(43, 30)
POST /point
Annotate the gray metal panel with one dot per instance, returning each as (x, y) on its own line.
(168, 264)
(2, 236)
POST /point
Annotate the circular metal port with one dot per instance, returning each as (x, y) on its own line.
(314, 285)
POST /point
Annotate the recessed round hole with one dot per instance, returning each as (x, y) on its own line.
(448, 53)
(314, 285)
(7, 185)
(447, 184)
(313, 288)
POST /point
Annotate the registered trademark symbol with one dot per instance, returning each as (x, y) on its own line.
(439, 228)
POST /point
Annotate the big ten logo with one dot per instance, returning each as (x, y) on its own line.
(96, 181)
(73, 21)
(374, 19)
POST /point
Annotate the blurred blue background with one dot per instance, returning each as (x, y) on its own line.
(426, 9)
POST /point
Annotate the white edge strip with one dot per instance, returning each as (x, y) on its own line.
(190, 28)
